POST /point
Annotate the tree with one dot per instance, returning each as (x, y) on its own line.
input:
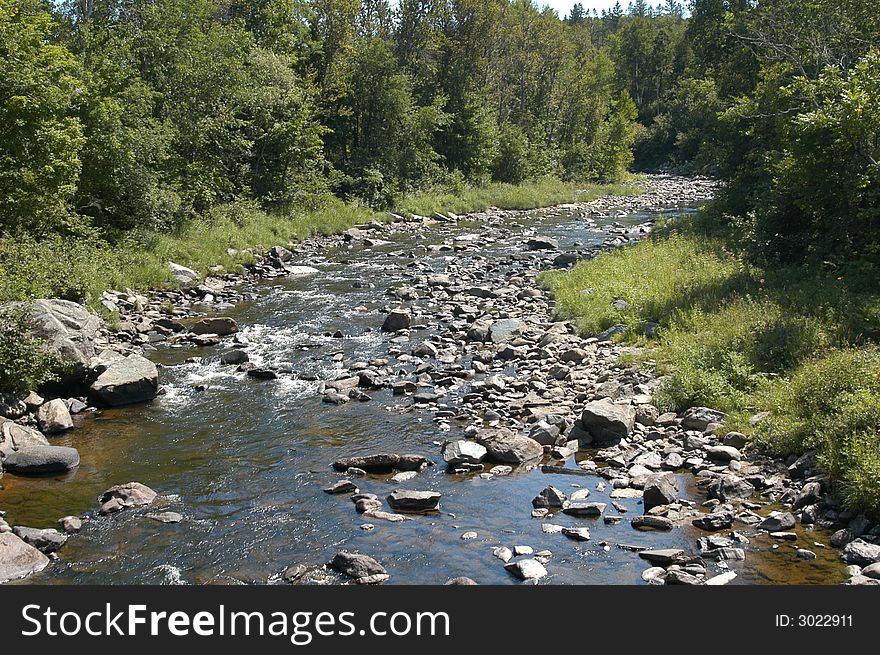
(40, 136)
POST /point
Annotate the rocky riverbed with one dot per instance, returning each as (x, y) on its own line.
(399, 403)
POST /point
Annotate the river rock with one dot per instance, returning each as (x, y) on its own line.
(184, 276)
(723, 453)
(578, 534)
(504, 446)
(132, 379)
(69, 329)
(15, 437)
(729, 487)
(363, 568)
(383, 461)
(505, 330)
(461, 581)
(584, 508)
(404, 500)
(715, 521)
(658, 491)
(549, 497)
(527, 569)
(462, 451)
(397, 320)
(542, 243)
(234, 357)
(648, 521)
(71, 524)
(810, 493)
(860, 552)
(700, 418)
(606, 421)
(341, 487)
(46, 541)
(18, 559)
(124, 496)
(220, 325)
(54, 417)
(34, 460)
(663, 556)
(777, 522)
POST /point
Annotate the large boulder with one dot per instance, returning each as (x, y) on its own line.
(15, 437)
(18, 559)
(505, 447)
(184, 276)
(220, 325)
(68, 328)
(127, 380)
(700, 418)
(363, 568)
(658, 491)
(462, 451)
(54, 417)
(606, 421)
(35, 460)
(46, 541)
(729, 487)
(397, 320)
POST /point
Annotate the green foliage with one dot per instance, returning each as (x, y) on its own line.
(40, 136)
(24, 362)
(832, 405)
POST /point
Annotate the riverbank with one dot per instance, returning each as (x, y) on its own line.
(788, 352)
(469, 341)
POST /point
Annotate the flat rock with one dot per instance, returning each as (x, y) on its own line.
(663, 556)
(383, 462)
(34, 460)
(18, 559)
(404, 500)
(128, 380)
(777, 522)
(504, 446)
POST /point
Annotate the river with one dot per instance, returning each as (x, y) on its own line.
(245, 460)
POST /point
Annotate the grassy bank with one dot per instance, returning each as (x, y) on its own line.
(795, 341)
(81, 269)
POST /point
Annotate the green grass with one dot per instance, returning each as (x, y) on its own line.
(81, 269)
(795, 341)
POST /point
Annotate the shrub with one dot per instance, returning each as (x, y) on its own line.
(24, 363)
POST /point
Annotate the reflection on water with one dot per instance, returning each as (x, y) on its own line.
(244, 460)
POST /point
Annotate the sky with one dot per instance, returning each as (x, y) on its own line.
(563, 7)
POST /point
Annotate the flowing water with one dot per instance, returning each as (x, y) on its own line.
(245, 460)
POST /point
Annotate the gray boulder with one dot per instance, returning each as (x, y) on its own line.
(549, 497)
(383, 461)
(606, 421)
(397, 320)
(363, 568)
(129, 380)
(777, 522)
(729, 487)
(15, 437)
(700, 418)
(46, 541)
(505, 330)
(462, 451)
(68, 328)
(861, 552)
(123, 496)
(404, 500)
(220, 325)
(505, 447)
(184, 276)
(34, 460)
(658, 491)
(18, 559)
(54, 417)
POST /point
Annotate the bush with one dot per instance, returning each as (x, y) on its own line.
(24, 363)
(831, 405)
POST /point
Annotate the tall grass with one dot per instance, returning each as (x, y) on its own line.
(795, 341)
